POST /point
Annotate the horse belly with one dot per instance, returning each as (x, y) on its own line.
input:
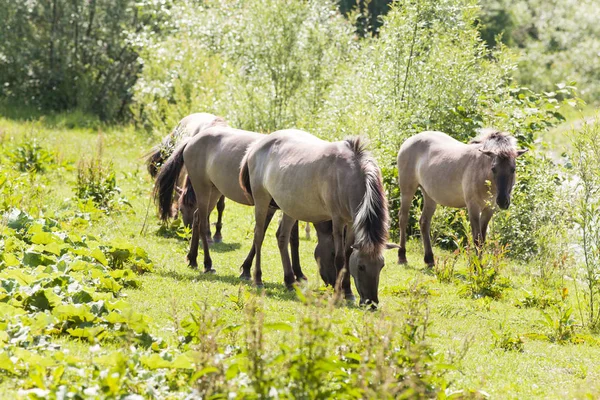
(444, 191)
(297, 197)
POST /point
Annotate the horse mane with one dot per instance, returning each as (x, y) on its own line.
(371, 219)
(497, 142)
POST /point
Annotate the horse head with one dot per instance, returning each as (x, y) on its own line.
(503, 167)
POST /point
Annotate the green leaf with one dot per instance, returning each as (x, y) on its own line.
(43, 238)
(278, 326)
(100, 257)
(155, 361)
(204, 371)
(182, 362)
(6, 363)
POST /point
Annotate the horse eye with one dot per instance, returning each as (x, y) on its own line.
(361, 267)
(512, 170)
(494, 169)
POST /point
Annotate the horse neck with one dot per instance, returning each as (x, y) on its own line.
(483, 169)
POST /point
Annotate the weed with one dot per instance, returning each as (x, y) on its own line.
(485, 279)
(560, 320)
(504, 339)
(536, 299)
(30, 156)
(444, 269)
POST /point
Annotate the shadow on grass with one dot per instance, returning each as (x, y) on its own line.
(275, 290)
(171, 233)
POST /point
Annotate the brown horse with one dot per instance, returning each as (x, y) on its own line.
(212, 159)
(313, 180)
(455, 174)
(187, 127)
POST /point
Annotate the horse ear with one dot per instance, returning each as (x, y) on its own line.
(487, 153)
(521, 152)
(389, 246)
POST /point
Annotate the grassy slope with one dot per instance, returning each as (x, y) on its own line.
(543, 370)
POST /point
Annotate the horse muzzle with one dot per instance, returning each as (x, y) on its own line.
(503, 203)
(371, 304)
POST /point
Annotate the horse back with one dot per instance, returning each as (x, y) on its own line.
(439, 164)
(301, 173)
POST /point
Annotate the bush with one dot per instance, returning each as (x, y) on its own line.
(29, 156)
(63, 55)
(585, 164)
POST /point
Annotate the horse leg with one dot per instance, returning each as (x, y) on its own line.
(192, 255)
(486, 215)
(261, 210)
(403, 216)
(307, 231)
(247, 264)
(425, 223)
(286, 226)
(475, 220)
(343, 275)
(295, 249)
(324, 253)
(218, 238)
(198, 227)
(208, 234)
(214, 196)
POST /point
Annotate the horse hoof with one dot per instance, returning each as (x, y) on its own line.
(210, 271)
(350, 297)
(193, 265)
(402, 261)
(245, 277)
(289, 287)
(218, 239)
(259, 285)
(301, 279)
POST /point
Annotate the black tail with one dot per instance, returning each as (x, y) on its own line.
(245, 178)
(166, 181)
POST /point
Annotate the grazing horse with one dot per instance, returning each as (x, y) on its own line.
(212, 159)
(313, 180)
(187, 127)
(454, 174)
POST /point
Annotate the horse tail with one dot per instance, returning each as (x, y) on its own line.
(167, 179)
(245, 177)
(371, 218)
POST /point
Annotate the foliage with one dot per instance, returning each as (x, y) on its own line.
(97, 181)
(62, 55)
(485, 267)
(31, 156)
(272, 60)
(585, 164)
(558, 41)
(504, 339)
(560, 320)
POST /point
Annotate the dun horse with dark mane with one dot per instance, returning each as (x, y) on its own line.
(212, 159)
(313, 180)
(454, 174)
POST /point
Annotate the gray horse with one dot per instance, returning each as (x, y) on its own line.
(187, 127)
(212, 159)
(313, 180)
(455, 174)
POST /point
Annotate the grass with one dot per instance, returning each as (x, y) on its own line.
(460, 327)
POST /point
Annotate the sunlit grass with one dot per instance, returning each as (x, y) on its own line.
(460, 326)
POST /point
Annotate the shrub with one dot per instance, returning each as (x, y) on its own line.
(30, 156)
(585, 163)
